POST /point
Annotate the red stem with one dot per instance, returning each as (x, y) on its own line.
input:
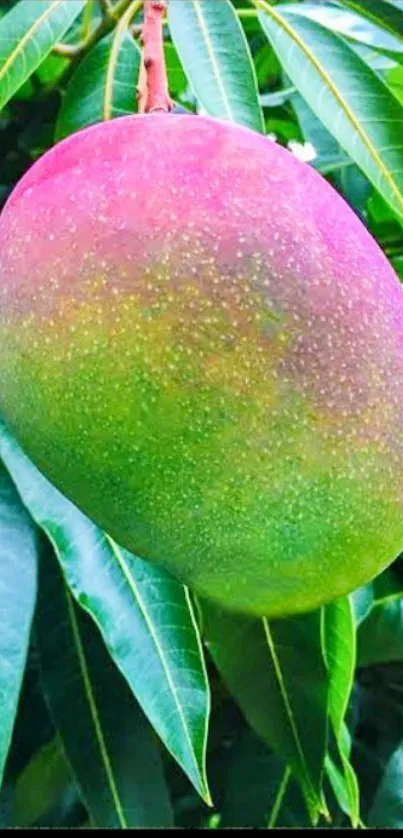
(152, 91)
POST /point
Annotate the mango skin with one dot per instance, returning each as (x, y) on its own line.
(202, 347)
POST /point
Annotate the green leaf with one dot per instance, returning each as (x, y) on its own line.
(41, 784)
(103, 86)
(27, 34)
(388, 586)
(352, 25)
(276, 98)
(259, 791)
(362, 600)
(351, 100)
(177, 78)
(216, 57)
(18, 572)
(380, 635)
(145, 616)
(387, 15)
(387, 808)
(340, 655)
(106, 738)
(339, 642)
(329, 155)
(276, 673)
(394, 79)
(397, 263)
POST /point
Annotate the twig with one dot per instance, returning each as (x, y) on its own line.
(152, 90)
(108, 22)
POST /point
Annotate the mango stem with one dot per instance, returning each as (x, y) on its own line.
(152, 90)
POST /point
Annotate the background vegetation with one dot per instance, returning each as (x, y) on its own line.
(123, 701)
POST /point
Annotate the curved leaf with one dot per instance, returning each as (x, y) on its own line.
(27, 34)
(340, 655)
(145, 616)
(18, 571)
(339, 641)
(259, 791)
(349, 98)
(352, 25)
(362, 600)
(387, 807)
(386, 14)
(106, 738)
(380, 635)
(276, 674)
(103, 85)
(216, 57)
(41, 784)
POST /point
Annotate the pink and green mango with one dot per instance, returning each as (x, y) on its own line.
(202, 347)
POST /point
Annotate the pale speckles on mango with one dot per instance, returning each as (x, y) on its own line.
(202, 346)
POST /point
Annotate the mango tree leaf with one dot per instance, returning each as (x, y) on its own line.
(27, 34)
(380, 635)
(339, 642)
(362, 600)
(387, 808)
(329, 155)
(260, 791)
(41, 784)
(340, 655)
(386, 14)
(215, 55)
(177, 78)
(18, 578)
(276, 673)
(103, 85)
(106, 738)
(394, 79)
(351, 100)
(352, 25)
(388, 586)
(144, 615)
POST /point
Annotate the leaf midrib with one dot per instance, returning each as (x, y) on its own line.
(282, 23)
(289, 712)
(94, 711)
(27, 37)
(205, 33)
(133, 587)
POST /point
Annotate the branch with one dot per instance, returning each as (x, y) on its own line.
(152, 91)
(108, 22)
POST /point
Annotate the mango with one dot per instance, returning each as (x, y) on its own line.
(202, 347)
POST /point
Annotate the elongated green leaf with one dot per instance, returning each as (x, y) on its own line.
(216, 57)
(387, 808)
(103, 85)
(329, 155)
(144, 615)
(259, 791)
(276, 674)
(340, 654)
(349, 98)
(380, 635)
(352, 25)
(41, 784)
(27, 34)
(18, 571)
(105, 735)
(384, 13)
(387, 586)
(362, 600)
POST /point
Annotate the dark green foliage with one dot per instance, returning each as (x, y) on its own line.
(100, 723)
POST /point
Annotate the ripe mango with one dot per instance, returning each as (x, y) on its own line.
(202, 347)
